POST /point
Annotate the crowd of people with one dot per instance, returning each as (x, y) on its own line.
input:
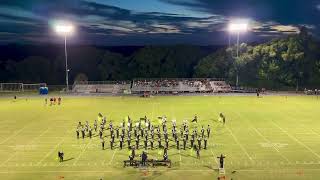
(186, 84)
(53, 101)
(311, 92)
(156, 83)
(143, 134)
(197, 83)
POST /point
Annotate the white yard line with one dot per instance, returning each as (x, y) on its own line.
(11, 156)
(298, 110)
(295, 139)
(54, 149)
(18, 132)
(15, 134)
(235, 138)
(262, 136)
(114, 152)
(31, 143)
(84, 149)
(214, 157)
(301, 124)
(50, 152)
(314, 132)
(241, 146)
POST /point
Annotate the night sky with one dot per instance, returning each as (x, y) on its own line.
(142, 22)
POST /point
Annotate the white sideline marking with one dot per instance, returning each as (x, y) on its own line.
(259, 163)
(161, 170)
(235, 138)
(272, 170)
(295, 139)
(32, 172)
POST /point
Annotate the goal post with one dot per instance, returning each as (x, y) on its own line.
(20, 87)
(33, 87)
(11, 87)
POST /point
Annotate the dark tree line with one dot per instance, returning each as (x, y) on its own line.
(289, 62)
(101, 65)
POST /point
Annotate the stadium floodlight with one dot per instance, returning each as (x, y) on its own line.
(237, 27)
(65, 29)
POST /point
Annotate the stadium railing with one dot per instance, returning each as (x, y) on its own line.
(113, 87)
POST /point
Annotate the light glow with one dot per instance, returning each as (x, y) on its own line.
(64, 29)
(238, 27)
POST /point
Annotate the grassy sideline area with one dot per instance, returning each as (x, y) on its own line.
(273, 137)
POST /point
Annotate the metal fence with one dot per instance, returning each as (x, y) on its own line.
(102, 82)
(20, 87)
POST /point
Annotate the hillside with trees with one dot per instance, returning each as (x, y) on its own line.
(292, 61)
(287, 62)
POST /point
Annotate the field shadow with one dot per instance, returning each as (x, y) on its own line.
(68, 159)
(212, 168)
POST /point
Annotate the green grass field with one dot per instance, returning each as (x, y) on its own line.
(273, 137)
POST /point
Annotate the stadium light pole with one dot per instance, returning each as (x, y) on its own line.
(238, 28)
(65, 30)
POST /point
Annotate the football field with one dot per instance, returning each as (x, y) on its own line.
(273, 137)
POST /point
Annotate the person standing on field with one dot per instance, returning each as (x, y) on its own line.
(102, 143)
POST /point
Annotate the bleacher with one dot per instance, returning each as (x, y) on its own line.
(220, 86)
(101, 87)
(197, 85)
(155, 86)
(180, 86)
